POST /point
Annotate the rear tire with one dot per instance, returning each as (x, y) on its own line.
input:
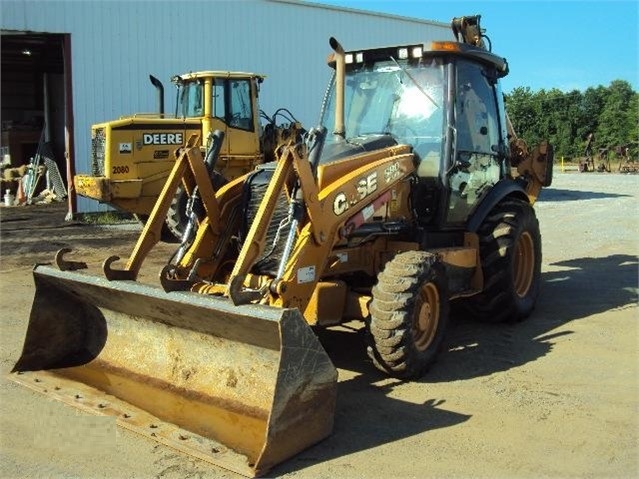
(510, 251)
(408, 315)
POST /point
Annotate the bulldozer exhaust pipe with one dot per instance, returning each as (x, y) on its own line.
(160, 87)
(340, 73)
(244, 387)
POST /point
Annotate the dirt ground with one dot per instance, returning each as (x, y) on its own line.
(554, 396)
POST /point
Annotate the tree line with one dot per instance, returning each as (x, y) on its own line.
(566, 119)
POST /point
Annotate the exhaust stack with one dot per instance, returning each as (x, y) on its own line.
(158, 84)
(340, 64)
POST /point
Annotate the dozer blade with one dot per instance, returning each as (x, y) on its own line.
(243, 387)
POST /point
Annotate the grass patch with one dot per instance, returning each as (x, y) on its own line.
(106, 218)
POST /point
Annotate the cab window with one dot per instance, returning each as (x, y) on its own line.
(476, 111)
(476, 166)
(240, 113)
(219, 104)
(191, 100)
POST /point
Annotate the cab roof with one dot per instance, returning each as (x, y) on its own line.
(215, 74)
(418, 50)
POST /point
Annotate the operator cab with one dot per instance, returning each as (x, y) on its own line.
(226, 101)
(226, 96)
(444, 101)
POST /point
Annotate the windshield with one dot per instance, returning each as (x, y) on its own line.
(190, 97)
(401, 99)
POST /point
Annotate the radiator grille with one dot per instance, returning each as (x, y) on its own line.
(257, 186)
(98, 142)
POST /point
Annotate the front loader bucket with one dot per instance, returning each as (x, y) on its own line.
(243, 387)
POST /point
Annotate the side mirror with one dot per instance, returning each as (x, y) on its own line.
(538, 164)
(543, 160)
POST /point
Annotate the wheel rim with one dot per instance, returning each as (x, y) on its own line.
(426, 317)
(523, 264)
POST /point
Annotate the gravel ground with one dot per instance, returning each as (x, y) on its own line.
(554, 396)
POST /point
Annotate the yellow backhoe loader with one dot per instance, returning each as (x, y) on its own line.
(131, 157)
(417, 198)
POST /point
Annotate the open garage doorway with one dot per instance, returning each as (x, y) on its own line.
(37, 108)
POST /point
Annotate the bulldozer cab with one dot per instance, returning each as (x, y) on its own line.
(225, 101)
(443, 100)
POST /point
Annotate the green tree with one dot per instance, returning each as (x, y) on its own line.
(617, 125)
(566, 119)
(591, 104)
(524, 111)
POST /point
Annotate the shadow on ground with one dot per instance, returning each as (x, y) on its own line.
(555, 194)
(368, 416)
(582, 288)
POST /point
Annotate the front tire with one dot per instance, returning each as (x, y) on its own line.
(176, 216)
(408, 315)
(510, 251)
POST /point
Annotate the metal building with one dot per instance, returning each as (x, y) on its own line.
(68, 64)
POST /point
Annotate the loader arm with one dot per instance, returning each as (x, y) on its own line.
(190, 171)
(329, 212)
(338, 207)
(209, 254)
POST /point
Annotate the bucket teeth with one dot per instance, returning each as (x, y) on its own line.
(66, 265)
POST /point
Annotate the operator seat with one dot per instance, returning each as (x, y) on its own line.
(429, 164)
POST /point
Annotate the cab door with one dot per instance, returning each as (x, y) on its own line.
(238, 115)
(476, 165)
(234, 108)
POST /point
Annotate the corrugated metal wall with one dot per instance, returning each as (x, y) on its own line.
(117, 44)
